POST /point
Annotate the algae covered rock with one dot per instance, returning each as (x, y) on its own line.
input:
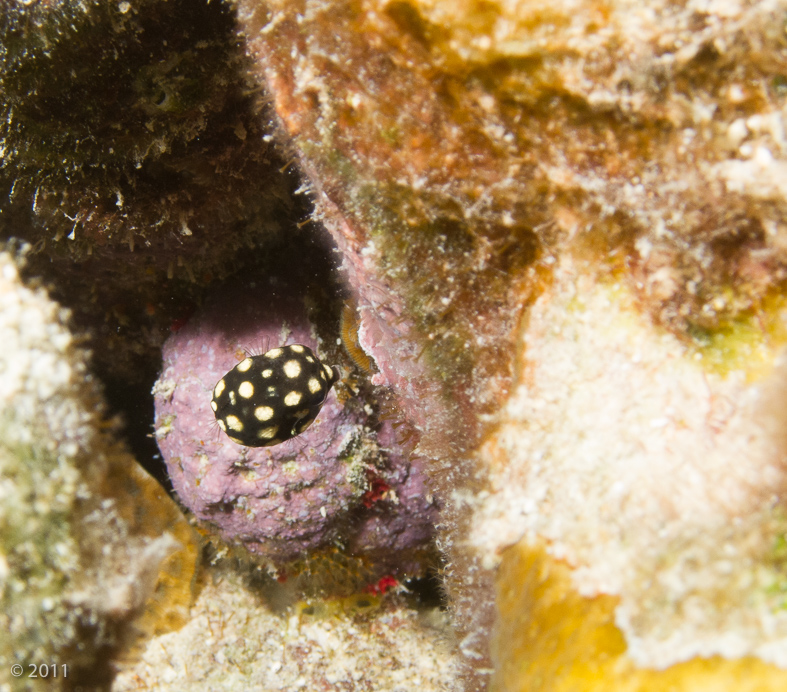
(134, 161)
(562, 229)
(524, 192)
(549, 637)
(651, 485)
(88, 541)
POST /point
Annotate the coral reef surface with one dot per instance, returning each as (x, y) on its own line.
(234, 642)
(483, 167)
(661, 484)
(548, 637)
(92, 550)
(561, 230)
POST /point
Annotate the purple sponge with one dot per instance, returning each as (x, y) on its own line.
(340, 481)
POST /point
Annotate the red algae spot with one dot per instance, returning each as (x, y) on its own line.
(375, 493)
(382, 585)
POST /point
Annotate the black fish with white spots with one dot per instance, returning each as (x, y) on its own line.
(265, 400)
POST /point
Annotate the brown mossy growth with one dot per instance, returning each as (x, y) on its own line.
(134, 160)
(325, 574)
(349, 606)
(456, 137)
(330, 573)
(548, 637)
(426, 183)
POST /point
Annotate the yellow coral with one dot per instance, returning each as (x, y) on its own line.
(548, 637)
(167, 607)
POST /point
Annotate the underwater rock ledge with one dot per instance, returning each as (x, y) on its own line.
(472, 162)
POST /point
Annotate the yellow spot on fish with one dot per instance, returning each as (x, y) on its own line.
(293, 399)
(314, 385)
(246, 390)
(244, 365)
(234, 423)
(219, 388)
(263, 413)
(292, 368)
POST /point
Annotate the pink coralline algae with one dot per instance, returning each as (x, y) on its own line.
(344, 481)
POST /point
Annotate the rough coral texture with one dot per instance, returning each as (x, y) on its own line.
(349, 647)
(81, 563)
(660, 484)
(459, 153)
(549, 638)
(345, 479)
(489, 172)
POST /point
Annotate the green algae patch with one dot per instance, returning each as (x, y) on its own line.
(747, 343)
